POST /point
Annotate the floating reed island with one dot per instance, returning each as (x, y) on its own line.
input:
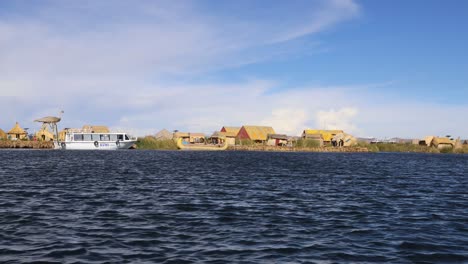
(250, 138)
(264, 138)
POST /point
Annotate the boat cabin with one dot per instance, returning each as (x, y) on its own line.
(97, 137)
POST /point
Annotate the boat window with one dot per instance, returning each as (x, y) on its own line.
(120, 137)
(126, 137)
(105, 137)
(95, 137)
(87, 137)
(113, 137)
(78, 137)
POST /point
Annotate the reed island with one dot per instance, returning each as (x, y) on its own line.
(246, 138)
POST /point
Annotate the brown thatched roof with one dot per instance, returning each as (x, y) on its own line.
(17, 130)
(163, 134)
(259, 132)
(231, 130)
(278, 136)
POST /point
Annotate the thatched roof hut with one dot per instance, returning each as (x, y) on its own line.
(325, 134)
(230, 131)
(3, 135)
(442, 142)
(439, 142)
(163, 135)
(277, 139)
(344, 140)
(44, 135)
(255, 133)
(220, 137)
(17, 132)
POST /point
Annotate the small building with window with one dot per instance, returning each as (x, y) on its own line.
(277, 140)
(227, 134)
(17, 133)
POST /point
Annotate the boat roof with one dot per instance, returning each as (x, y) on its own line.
(84, 131)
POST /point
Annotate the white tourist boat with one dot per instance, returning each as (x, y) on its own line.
(85, 140)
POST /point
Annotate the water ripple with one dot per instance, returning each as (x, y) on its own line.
(249, 207)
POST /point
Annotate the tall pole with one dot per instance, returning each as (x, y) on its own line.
(56, 134)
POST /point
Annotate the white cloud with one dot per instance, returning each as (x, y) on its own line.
(107, 46)
(130, 66)
(287, 120)
(341, 119)
(206, 108)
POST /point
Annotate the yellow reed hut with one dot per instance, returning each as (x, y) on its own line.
(17, 133)
(326, 135)
(258, 134)
(44, 135)
(3, 135)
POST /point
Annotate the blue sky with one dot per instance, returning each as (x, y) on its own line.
(373, 68)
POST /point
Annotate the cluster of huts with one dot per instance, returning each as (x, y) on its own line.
(429, 141)
(264, 135)
(440, 142)
(44, 133)
(16, 133)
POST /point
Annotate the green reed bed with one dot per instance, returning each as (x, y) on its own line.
(306, 143)
(150, 142)
(382, 147)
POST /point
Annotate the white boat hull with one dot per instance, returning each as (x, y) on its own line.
(95, 145)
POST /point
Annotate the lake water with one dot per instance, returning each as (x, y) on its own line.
(219, 207)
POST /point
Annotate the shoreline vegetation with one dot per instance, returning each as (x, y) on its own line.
(152, 143)
(26, 144)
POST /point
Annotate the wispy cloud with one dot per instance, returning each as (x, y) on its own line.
(337, 119)
(205, 108)
(130, 65)
(70, 47)
(93, 50)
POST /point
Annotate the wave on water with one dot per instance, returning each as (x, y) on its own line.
(249, 207)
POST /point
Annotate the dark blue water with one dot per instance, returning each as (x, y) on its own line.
(218, 207)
